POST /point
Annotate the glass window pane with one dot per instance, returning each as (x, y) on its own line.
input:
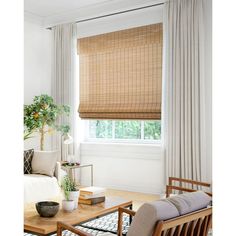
(128, 129)
(152, 130)
(100, 129)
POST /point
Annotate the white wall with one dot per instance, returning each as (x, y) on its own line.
(99, 9)
(130, 167)
(37, 67)
(133, 19)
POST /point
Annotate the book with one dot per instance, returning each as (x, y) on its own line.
(92, 190)
(92, 201)
(88, 196)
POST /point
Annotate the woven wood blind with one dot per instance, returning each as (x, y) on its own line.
(120, 74)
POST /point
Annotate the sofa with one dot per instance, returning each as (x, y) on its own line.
(43, 180)
(184, 214)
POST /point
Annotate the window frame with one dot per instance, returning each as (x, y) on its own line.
(116, 140)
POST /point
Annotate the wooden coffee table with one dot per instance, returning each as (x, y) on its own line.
(35, 224)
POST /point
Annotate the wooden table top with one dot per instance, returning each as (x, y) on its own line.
(45, 226)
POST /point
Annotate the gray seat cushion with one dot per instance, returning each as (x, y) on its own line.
(189, 202)
(148, 214)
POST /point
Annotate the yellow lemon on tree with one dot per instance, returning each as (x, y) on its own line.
(36, 115)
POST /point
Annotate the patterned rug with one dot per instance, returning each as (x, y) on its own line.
(96, 227)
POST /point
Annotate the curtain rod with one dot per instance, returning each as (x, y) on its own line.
(115, 13)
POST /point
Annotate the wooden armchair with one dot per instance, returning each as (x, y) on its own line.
(196, 223)
(161, 218)
(171, 186)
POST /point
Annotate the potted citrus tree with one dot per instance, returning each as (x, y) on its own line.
(71, 194)
(42, 115)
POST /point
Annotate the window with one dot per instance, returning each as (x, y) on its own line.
(121, 84)
(124, 130)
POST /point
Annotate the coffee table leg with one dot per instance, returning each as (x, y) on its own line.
(130, 217)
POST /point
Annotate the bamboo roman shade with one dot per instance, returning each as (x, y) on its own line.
(120, 74)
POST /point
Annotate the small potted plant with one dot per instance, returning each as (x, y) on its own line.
(71, 194)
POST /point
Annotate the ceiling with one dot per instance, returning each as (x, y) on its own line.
(48, 8)
(49, 13)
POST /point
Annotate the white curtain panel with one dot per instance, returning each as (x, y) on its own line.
(184, 91)
(64, 80)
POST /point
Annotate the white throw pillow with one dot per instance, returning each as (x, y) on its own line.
(44, 162)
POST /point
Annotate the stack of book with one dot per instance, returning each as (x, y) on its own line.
(92, 195)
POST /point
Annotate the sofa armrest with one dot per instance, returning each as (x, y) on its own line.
(58, 172)
(122, 210)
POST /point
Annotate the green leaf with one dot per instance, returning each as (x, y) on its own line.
(44, 112)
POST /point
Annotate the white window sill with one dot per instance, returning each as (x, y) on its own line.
(123, 143)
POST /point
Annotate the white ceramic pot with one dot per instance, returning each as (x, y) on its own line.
(68, 205)
(74, 195)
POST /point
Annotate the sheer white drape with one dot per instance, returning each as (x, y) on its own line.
(64, 80)
(184, 89)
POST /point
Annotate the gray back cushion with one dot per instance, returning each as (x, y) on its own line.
(188, 202)
(148, 214)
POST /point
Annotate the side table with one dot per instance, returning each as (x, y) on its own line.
(70, 169)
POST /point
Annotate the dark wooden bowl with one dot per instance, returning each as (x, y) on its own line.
(47, 208)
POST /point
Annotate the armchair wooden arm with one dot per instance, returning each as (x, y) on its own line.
(171, 187)
(61, 226)
(122, 210)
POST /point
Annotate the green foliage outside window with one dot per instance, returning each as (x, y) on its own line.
(100, 129)
(152, 130)
(132, 129)
(128, 129)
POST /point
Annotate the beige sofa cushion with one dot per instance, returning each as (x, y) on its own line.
(40, 188)
(188, 202)
(148, 214)
(44, 162)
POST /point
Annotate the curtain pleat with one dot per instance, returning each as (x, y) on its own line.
(184, 93)
(63, 80)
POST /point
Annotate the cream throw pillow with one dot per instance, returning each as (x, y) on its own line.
(44, 162)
